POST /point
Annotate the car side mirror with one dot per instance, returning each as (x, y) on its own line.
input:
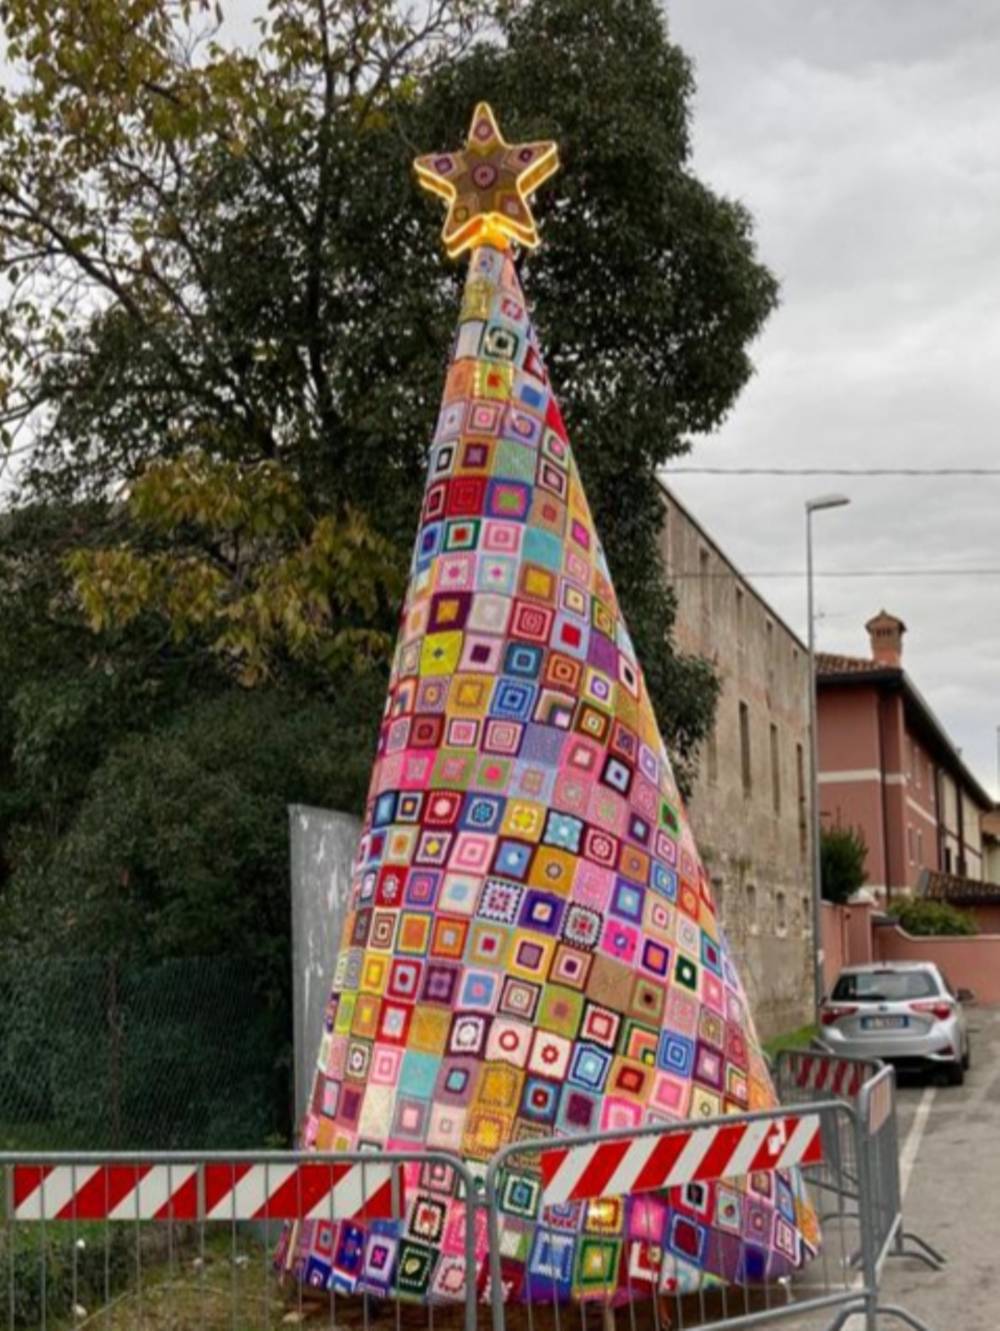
(965, 996)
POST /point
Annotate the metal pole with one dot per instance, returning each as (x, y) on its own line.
(814, 821)
(812, 506)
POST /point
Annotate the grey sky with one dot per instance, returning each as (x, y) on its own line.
(864, 136)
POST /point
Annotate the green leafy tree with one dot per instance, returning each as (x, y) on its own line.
(843, 853)
(138, 872)
(241, 560)
(246, 275)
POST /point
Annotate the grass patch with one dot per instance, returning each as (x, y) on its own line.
(800, 1039)
(128, 1284)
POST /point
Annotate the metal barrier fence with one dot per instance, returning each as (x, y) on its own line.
(183, 1240)
(572, 1171)
(869, 1085)
(187, 1240)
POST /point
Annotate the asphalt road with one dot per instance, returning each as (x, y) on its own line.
(950, 1164)
(950, 1154)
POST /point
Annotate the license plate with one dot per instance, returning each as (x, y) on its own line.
(884, 1023)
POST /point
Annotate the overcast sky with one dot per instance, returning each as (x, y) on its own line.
(864, 136)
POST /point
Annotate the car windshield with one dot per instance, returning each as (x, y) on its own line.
(885, 986)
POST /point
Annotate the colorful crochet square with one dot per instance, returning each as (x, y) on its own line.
(532, 947)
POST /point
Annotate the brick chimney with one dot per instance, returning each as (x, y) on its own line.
(885, 632)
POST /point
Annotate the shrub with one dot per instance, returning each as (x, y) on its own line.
(842, 852)
(78, 1268)
(920, 915)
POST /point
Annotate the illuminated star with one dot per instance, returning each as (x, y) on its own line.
(487, 185)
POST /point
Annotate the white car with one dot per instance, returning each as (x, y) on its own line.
(904, 1012)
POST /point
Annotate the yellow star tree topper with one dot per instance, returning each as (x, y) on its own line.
(487, 185)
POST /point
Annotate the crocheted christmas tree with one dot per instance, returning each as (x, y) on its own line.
(531, 949)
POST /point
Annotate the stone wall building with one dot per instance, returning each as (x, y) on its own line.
(750, 806)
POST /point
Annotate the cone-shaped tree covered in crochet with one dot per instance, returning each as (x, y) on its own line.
(531, 948)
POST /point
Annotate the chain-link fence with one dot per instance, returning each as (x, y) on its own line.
(101, 1055)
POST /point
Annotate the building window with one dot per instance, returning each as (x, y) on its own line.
(807, 907)
(745, 749)
(739, 616)
(920, 845)
(780, 913)
(775, 770)
(800, 779)
(712, 754)
(918, 765)
(751, 908)
(911, 844)
(947, 859)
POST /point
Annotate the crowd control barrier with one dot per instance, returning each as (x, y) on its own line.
(178, 1241)
(186, 1241)
(870, 1086)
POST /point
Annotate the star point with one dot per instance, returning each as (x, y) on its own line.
(487, 185)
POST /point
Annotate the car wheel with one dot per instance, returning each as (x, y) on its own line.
(956, 1073)
(967, 1058)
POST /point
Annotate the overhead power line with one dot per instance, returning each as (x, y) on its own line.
(830, 471)
(843, 573)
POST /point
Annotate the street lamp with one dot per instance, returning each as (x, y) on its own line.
(815, 506)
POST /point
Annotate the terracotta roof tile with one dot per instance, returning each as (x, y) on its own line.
(827, 663)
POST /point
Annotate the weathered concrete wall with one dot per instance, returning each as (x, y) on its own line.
(323, 844)
(753, 832)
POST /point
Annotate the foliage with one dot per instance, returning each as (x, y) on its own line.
(842, 852)
(67, 695)
(922, 915)
(263, 574)
(179, 846)
(83, 1264)
(246, 276)
(801, 1038)
(100, 1055)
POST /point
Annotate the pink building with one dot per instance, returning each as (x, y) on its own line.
(887, 767)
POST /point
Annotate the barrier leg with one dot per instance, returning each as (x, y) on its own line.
(923, 1251)
(497, 1311)
(901, 1315)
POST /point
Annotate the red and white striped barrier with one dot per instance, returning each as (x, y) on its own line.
(210, 1191)
(830, 1076)
(668, 1160)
